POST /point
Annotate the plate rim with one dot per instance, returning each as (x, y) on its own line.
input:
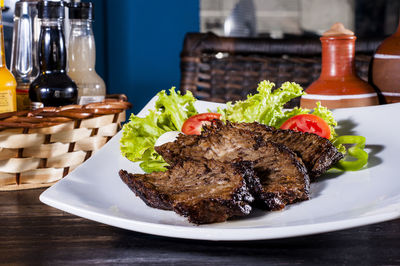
(228, 234)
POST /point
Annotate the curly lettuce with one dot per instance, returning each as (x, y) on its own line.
(265, 107)
(141, 133)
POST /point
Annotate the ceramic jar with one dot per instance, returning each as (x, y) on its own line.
(386, 68)
(338, 85)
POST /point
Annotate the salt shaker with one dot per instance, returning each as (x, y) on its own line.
(82, 54)
(24, 59)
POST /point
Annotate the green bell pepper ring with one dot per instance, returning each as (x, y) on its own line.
(357, 151)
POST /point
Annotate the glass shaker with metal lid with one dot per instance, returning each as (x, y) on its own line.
(53, 87)
(24, 60)
(82, 54)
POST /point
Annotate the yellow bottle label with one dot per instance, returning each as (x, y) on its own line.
(6, 101)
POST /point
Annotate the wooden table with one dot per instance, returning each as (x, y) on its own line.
(33, 233)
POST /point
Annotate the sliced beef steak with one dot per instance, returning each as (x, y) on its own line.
(317, 153)
(282, 174)
(204, 191)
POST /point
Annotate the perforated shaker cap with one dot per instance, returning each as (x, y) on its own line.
(51, 9)
(80, 10)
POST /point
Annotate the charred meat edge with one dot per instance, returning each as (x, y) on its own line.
(208, 210)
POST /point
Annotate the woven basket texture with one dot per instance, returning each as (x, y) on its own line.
(38, 148)
(225, 69)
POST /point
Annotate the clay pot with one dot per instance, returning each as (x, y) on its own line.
(386, 68)
(338, 85)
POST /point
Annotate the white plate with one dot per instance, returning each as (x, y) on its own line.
(338, 201)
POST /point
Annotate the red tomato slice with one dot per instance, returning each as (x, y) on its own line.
(193, 124)
(308, 123)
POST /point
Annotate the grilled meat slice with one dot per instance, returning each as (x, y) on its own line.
(317, 153)
(282, 174)
(203, 191)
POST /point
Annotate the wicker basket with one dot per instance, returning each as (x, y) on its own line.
(38, 148)
(227, 68)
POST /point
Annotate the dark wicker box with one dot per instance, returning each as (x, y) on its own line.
(224, 69)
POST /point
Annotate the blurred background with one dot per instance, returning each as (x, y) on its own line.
(139, 41)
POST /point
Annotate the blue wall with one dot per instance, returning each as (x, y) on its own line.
(138, 44)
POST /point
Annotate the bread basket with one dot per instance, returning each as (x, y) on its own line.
(38, 148)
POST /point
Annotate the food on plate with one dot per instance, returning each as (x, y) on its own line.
(251, 153)
(204, 191)
(283, 176)
(308, 123)
(317, 153)
(194, 124)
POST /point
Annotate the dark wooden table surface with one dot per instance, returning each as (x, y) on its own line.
(32, 233)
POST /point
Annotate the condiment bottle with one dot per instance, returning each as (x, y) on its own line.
(8, 102)
(338, 85)
(24, 59)
(82, 54)
(386, 66)
(52, 87)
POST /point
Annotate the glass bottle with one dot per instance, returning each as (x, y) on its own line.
(8, 102)
(82, 54)
(52, 87)
(338, 85)
(24, 61)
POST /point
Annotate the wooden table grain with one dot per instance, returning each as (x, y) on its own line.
(32, 233)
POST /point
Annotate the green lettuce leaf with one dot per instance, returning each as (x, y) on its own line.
(139, 136)
(153, 165)
(266, 106)
(174, 109)
(141, 133)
